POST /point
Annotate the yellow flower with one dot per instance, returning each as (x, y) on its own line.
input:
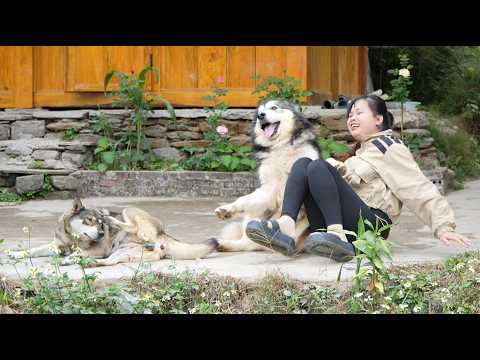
(404, 73)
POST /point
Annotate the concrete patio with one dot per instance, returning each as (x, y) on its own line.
(411, 242)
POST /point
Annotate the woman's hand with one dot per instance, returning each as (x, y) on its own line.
(449, 237)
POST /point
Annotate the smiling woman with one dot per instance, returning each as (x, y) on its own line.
(373, 183)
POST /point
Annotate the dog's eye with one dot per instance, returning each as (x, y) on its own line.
(274, 108)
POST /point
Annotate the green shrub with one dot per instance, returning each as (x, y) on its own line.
(287, 88)
(459, 152)
(132, 150)
(221, 154)
(70, 134)
(436, 75)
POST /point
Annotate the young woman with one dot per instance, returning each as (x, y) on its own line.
(375, 182)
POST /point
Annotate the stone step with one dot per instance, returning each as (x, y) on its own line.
(5, 169)
(50, 144)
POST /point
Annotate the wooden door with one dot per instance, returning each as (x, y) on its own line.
(16, 80)
(88, 65)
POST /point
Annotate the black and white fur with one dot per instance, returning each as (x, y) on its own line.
(291, 139)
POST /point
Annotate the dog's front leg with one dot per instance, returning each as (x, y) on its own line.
(47, 250)
(256, 204)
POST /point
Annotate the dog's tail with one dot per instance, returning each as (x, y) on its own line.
(184, 251)
(232, 231)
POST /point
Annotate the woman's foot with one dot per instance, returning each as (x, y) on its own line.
(329, 244)
(269, 234)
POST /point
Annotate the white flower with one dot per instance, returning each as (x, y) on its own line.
(203, 295)
(26, 229)
(222, 130)
(471, 269)
(403, 306)
(404, 73)
(388, 298)
(407, 284)
(192, 310)
(226, 294)
(417, 308)
(385, 306)
(287, 293)
(357, 295)
(218, 303)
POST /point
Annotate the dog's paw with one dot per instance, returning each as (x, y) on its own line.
(213, 242)
(222, 247)
(224, 212)
(18, 255)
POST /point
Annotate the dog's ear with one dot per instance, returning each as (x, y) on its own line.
(77, 205)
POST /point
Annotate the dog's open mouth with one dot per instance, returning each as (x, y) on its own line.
(270, 129)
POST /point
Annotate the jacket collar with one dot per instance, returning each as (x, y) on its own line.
(378, 134)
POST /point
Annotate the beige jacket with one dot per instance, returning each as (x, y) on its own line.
(385, 175)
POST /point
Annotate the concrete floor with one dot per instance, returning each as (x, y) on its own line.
(193, 220)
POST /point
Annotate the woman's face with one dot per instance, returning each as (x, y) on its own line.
(362, 122)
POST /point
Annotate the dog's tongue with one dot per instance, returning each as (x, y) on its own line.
(269, 130)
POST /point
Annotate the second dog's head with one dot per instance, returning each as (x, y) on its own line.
(276, 122)
(85, 225)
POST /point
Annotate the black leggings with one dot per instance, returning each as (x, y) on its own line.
(327, 197)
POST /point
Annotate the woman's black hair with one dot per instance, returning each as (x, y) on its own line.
(378, 107)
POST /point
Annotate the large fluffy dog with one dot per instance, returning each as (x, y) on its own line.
(113, 238)
(280, 135)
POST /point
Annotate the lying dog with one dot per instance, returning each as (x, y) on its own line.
(113, 238)
(280, 135)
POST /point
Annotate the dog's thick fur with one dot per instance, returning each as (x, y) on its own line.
(113, 238)
(275, 151)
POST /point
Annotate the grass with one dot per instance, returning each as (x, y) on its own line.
(450, 287)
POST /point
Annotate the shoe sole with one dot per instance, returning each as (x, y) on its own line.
(258, 236)
(329, 249)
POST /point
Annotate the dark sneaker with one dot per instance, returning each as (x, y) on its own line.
(329, 245)
(271, 237)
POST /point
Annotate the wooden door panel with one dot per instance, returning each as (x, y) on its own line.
(178, 67)
(16, 76)
(86, 68)
(240, 67)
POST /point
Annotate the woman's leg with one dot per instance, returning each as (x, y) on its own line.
(346, 210)
(340, 207)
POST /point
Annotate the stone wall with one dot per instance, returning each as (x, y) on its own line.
(186, 184)
(31, 140)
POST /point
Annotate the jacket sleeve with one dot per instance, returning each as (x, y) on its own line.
(339, 165)
(403, 176)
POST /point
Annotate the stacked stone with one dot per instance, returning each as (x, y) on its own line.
(31, 140)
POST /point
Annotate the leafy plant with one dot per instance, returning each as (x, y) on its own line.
(70, 134)
(373, 248)
(7, 196)
(414, 143)
(287, 88)
(38, 164)
(329, 147)
(221, 155)
(132, 151)
(400, 84)
(47, 188)
(459, 152)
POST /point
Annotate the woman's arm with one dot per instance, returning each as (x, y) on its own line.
(402, 175)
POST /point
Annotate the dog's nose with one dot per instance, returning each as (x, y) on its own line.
(261, 116)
